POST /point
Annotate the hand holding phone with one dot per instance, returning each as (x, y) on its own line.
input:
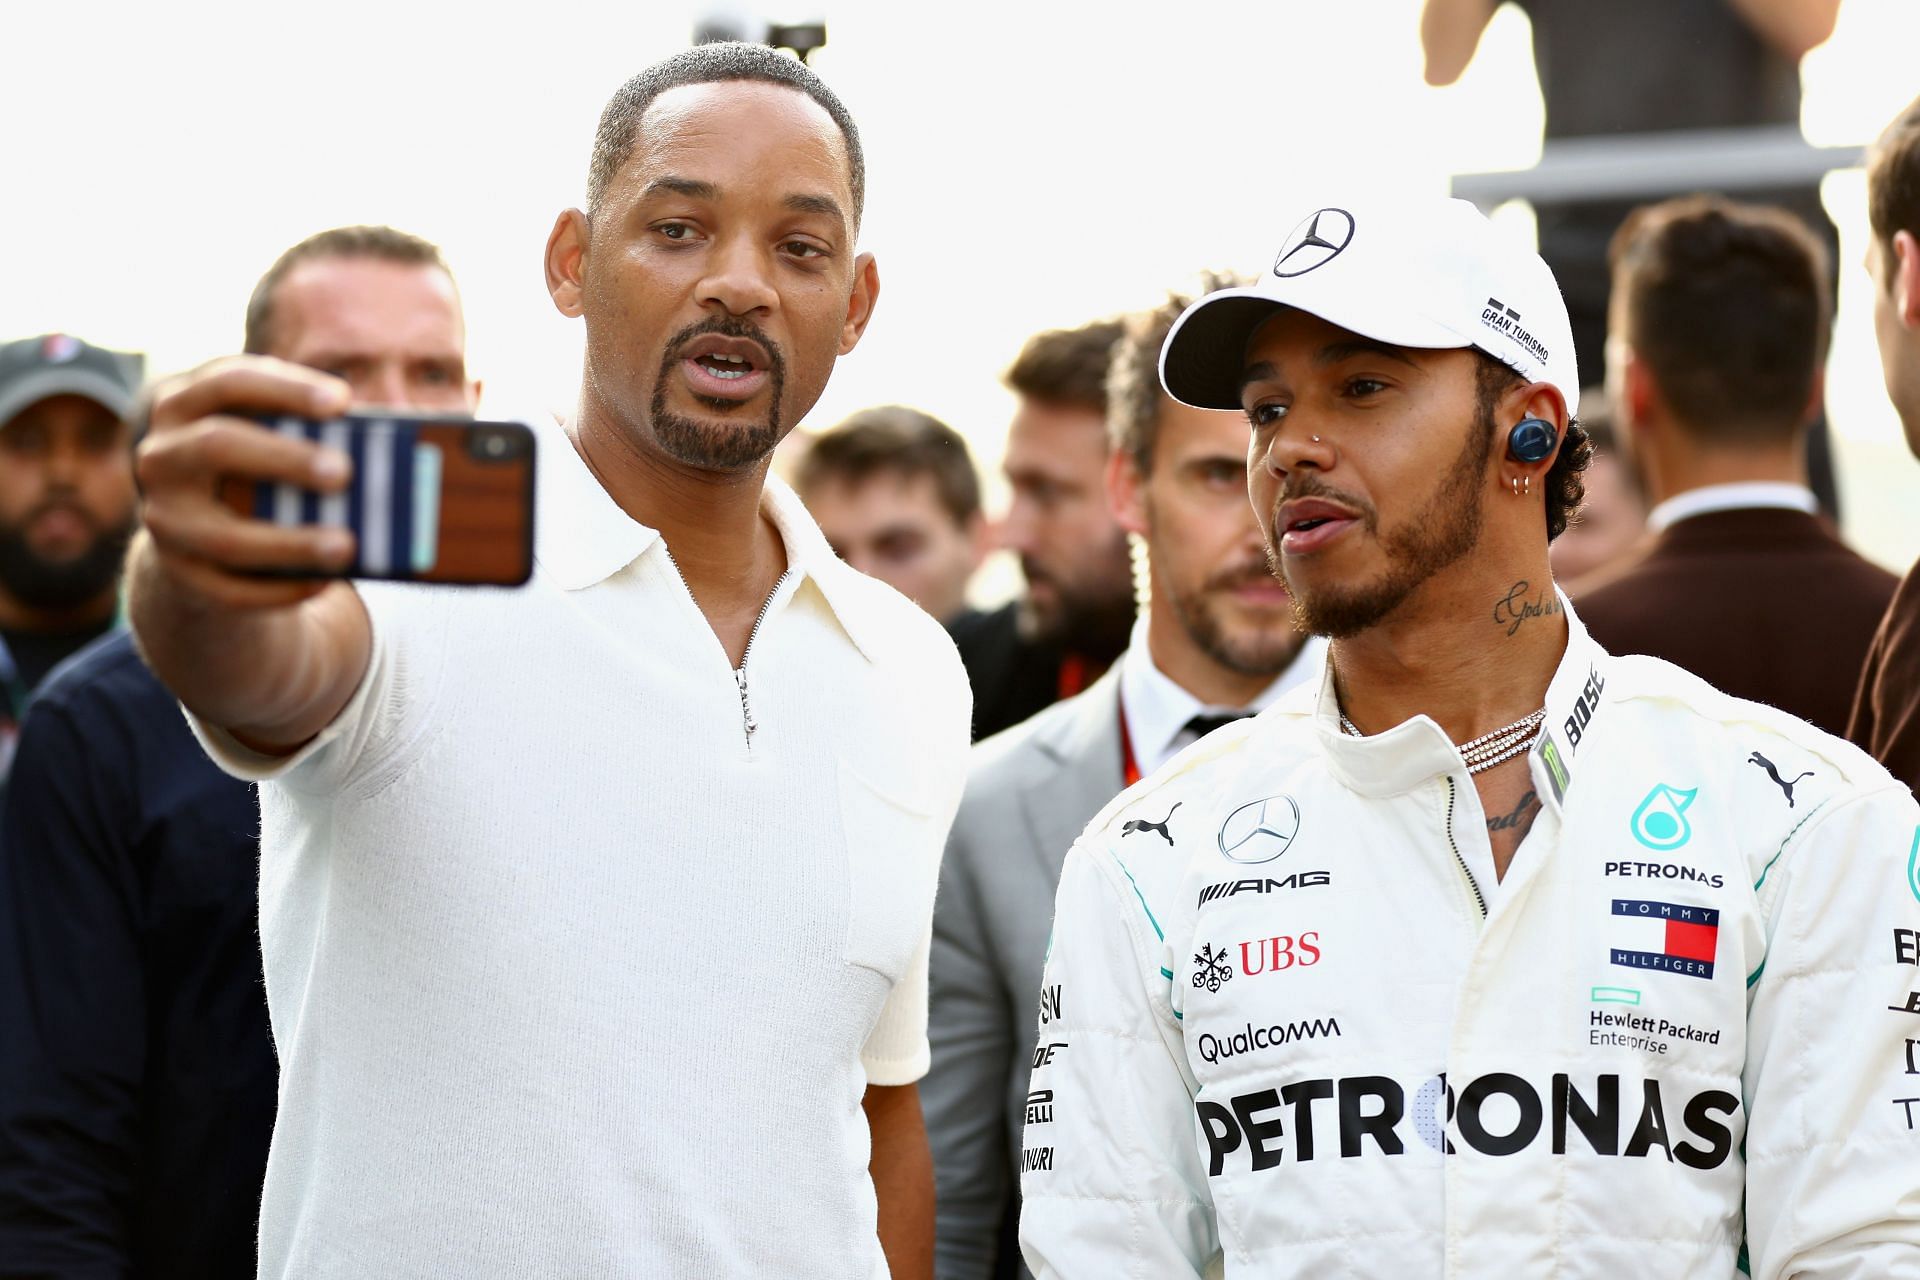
(429, 500)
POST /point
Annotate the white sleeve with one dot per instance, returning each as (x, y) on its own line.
(1833, 1050)
(404, 660)
(1112, 1182)
(896, 1050)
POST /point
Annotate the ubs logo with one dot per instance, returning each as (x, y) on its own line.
(1318, 240)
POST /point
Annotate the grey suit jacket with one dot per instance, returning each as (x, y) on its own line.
(1030, 791)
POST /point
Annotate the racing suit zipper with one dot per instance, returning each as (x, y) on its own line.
(1452, 795)
(748, 725)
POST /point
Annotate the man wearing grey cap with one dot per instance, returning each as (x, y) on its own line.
(66, 506)
(1487, 953)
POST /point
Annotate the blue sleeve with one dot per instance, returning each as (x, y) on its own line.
(72, 1005)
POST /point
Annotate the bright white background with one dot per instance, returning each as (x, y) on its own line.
(1032, 164)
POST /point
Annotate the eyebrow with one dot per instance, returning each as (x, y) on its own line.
(695, 189)
(816, 204)
(692, 188)
(1334, 353)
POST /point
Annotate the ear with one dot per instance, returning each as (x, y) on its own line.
(1905, 281)
(1534, 400)
(566, 260)
(1127, 491)
(860, 303)
(474, 390)
(1637, 392)
(1816, 395)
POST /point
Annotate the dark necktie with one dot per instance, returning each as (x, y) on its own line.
(1202, 725)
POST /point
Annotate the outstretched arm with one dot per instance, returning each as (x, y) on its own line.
(1449, 33)
(1791, 26)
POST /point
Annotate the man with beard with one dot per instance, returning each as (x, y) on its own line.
(66, 506)
(1072, 619)
(594, 914)
(1489, 953)
(137, 1080)
(1216, 642)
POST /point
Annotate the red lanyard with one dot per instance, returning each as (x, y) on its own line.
(1129, 767)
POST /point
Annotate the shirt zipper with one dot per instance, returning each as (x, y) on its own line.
(748, 724)
(1478, 898)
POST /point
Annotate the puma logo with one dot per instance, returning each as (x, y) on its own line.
(1135, 824)
(1786, 787)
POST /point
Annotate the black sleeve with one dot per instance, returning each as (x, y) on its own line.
(72, 1003)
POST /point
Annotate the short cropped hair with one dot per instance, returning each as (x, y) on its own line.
(1067, 366)
(1893, 180)
(1134, 395)
(382, 243)
(613, 141)
(894, 440)
(1727, 306)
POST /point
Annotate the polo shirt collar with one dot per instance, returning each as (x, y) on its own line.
(582, 537)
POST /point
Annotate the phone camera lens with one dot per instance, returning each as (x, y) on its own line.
(494, 446)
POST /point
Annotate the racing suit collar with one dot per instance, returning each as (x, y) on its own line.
(1418, 750)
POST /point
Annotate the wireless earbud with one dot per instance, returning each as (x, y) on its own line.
(1531, 440)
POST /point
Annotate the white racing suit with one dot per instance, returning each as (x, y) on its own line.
(1281, 1035)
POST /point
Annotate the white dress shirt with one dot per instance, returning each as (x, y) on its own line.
(1157, 709)
(1742, 496)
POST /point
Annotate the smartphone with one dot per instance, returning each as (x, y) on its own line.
(446, 500)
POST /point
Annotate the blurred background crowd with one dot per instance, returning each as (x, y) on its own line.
(1000, 450)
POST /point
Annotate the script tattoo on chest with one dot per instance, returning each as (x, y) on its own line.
(1521, 817)
(1515, 609)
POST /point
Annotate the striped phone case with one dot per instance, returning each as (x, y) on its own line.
(430, 501)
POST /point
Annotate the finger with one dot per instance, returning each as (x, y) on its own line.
(209, 532)
(191, 457)
(259, 384)
(217, 588)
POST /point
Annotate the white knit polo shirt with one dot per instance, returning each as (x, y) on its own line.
(571, 974)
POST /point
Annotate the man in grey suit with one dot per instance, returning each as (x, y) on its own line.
(1214, 642)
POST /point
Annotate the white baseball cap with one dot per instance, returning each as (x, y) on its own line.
(1417, 273)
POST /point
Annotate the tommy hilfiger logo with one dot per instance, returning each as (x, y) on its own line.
(1672, 937)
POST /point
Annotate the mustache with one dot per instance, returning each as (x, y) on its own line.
(726, 327)
(60, 502)
(1247, 573)
(1308, 484)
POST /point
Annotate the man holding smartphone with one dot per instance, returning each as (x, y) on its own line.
(137, 1075)
(594, 915)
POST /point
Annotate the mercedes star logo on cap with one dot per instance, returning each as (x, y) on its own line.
(1317, 241)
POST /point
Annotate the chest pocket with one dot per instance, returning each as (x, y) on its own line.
(893, 857)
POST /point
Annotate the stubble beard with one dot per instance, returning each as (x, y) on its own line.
(1089, 614)
(1253, 651)
(734, 446)
(1444, 532)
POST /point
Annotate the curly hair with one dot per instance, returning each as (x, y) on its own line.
(1563, 486)
(1134, 395)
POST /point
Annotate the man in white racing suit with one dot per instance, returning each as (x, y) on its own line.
(1488, 954)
